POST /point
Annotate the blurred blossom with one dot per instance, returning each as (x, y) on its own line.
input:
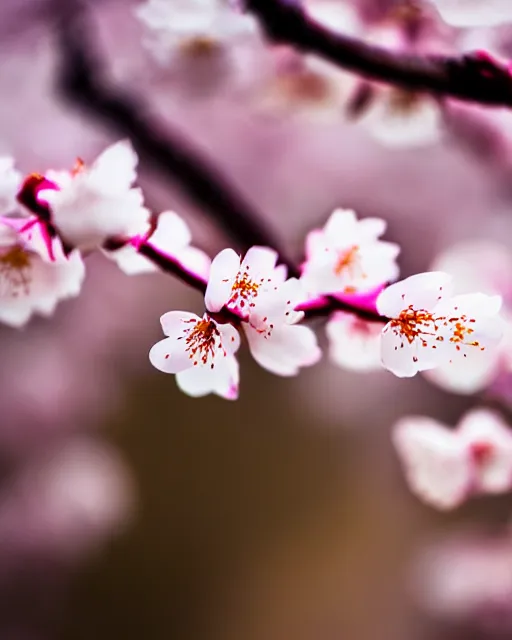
(89, 205)
(10, 181)
(474, 13)
(354, 344)
(484, 266)
(192, 27)
(64, 503)
(34, 272)
(467, 579)
(444, 467)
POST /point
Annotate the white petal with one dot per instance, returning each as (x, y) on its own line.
(114, 170)
(230, 337)
(130, 261)
(175, 322)
(200, 381)
(341, 226)
(285, 350)
(405, 359)
(353, 343)
(223, 272)
(421, 291)
(457, 377)
(170, 356)
(171, 234)
(260, 262)
(485, 433)
(435, 462)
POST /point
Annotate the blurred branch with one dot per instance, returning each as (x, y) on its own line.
(474, 77)
(82, 81)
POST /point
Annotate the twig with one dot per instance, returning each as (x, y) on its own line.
(474, 77)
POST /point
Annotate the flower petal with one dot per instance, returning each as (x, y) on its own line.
(223, 272)
(421, 291)
(170, 356)
(435, 461)
(200, 381)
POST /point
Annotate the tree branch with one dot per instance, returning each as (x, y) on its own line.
(81, 80)
(474, 77)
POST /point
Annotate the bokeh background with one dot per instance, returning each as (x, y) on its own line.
(128, 510)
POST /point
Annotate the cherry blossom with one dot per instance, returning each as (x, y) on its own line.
(172, 237)
(256, 290)
(347, 256)
(191, 26)
(92, 204)
(10, 181)
(33, 275)
(474, 13)
(354, 344)
(430, 326)
(444, 467)
(200, 352)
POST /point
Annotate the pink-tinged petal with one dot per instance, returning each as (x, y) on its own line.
(285, 350)
(170, 356)
(171, 233)
(196, 260)
(175, 322)
(421, 291)
(354, 344)
(315, 243)
(200, 381)
(259, 262)
(130, 261)
(489, 440)
(230, 338)
(437, 467)
(223, 272)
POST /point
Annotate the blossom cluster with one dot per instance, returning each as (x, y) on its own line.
(417, 324)
(424, 323)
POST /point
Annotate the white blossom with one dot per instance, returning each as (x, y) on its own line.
(430, 326)
(171, 236)
(33, 275)
(444, 467)
(193, 25)
(354, 344)
(347, 256)
(200, 352)
(93, 204)
(475, 13)
(10, 182)
(256, 290)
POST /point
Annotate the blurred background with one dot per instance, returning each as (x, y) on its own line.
(128, 510)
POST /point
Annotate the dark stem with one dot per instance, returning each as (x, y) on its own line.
(474, 77)
(82, 81)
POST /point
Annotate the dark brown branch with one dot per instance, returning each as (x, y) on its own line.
(81, 80)
(474, 77)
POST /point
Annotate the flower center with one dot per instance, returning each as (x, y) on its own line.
(244, 290)
(419, 324)
(15, 270)
(348, 263)
(199, 46)
(203, 341)
(481, 452)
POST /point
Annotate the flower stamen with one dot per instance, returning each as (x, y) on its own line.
(15, 267)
